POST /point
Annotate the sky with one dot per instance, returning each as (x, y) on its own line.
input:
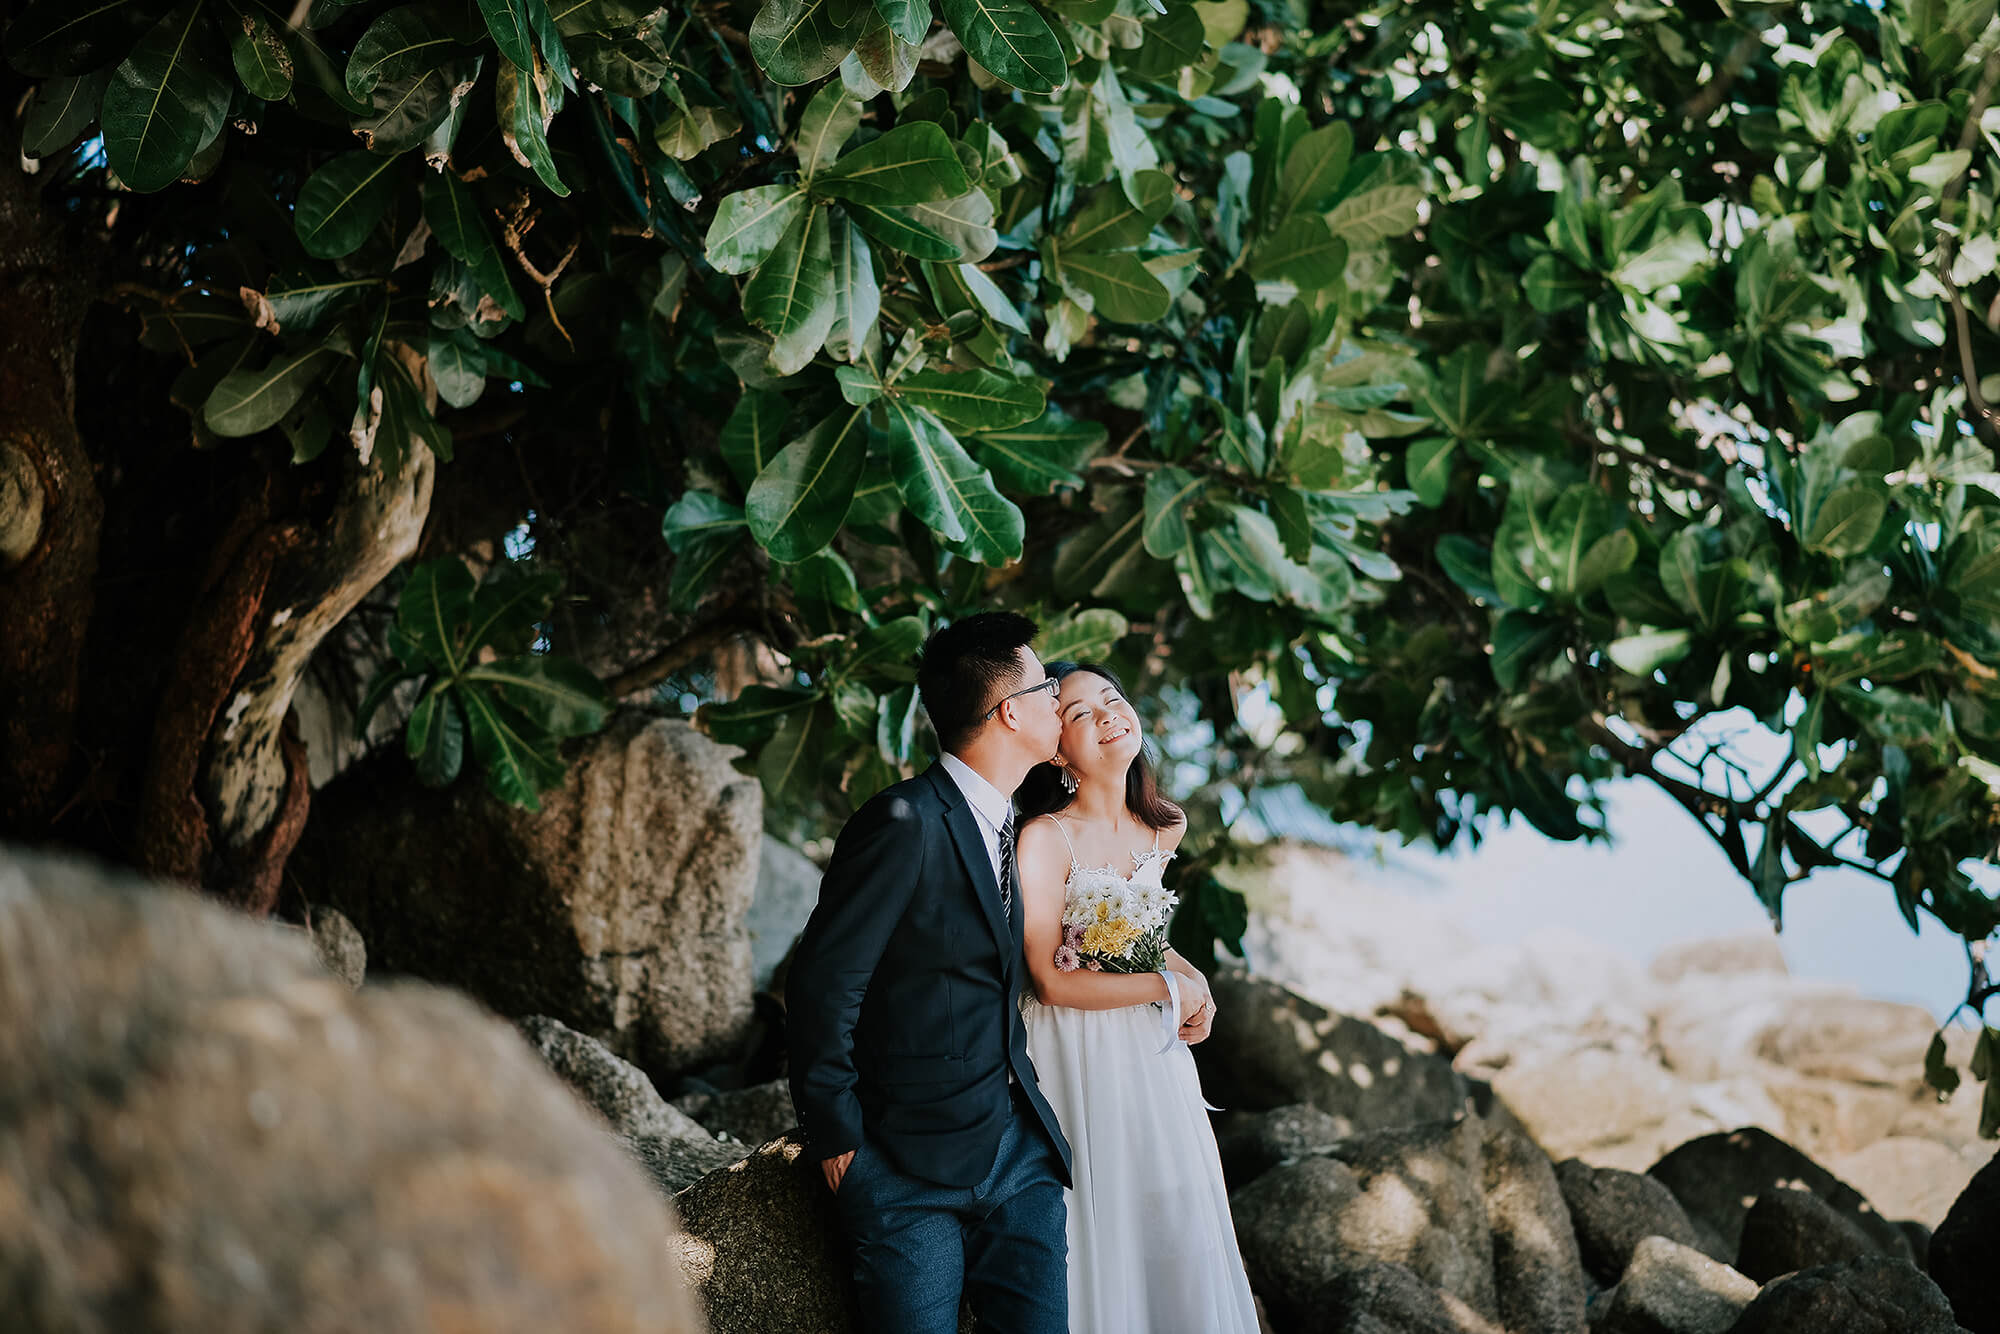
(1663, 881)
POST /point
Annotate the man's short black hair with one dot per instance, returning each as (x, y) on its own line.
(966, 667)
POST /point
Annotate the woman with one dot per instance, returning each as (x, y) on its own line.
(1151, 1246)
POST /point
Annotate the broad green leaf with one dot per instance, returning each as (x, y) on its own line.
(799, 41)
(1553, 284)
(63, 37)
(801, 497)
(828, 122)
(403, 112)
(60, 111)
(435, 738)
(1519, 639)
(1302, 252)
(1086, 635)
(896, 229)
(432, 612)
(246, 402)
(460, 226)
(1469, 565)
(525, 104)
(789, 765)
(520, 759)
(911, 164)
(944, 488)
(791, 296)
(696, 572)
(1173, 42)
(889, 650)
(755, 432)
(513, 31)
(341, 203)
(509, 607)
(398, 44)
(1313, 171)
(558, 695)
(458, 370)
(881, 61)
(973, 400)
(753, 717)
(263, 59)
(1847, 522)
(1644, 653)
(1428, 468)
(749, 224)
(1119, 284)
(1112, 221)
(1037, 457)
(910, 20)
(165, 102)
(1383, 213)
(857, 294)
(698, 515)
(1099, 560)
(690, 130)
(627, 63)
(966, 287)
(1010, 38)
(1169, 493)
(575, 18)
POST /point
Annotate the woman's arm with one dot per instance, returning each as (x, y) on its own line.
(1044, 860)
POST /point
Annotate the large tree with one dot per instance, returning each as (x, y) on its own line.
(1443, 409)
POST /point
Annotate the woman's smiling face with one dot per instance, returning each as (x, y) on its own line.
(1100, 728)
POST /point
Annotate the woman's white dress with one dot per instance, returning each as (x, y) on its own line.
(1152, 1249)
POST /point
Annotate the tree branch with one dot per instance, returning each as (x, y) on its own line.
(692, 647)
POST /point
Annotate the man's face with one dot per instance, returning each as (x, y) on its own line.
(1036, 714)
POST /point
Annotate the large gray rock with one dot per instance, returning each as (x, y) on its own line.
(755, 1115)
(1718, 1177)
(1537, 1272)
(1412, 1197)
(787, 889)
(1788, 1230)
(762, 1247)
(676, 1149)
(1965, 1252)
(1871, 1295)
(1613, 1211)
(617, 908)
(203, 1133)
(1272, 1048)
(1381, 1298)
(1673, 1289)
(1252, 1143)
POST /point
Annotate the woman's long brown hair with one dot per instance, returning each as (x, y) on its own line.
(1042, 793)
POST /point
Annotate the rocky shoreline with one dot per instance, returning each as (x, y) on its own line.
(210, 1124)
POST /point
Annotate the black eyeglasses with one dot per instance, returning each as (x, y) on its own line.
(1048, 683)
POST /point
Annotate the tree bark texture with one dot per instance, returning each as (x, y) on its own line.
(50, 509)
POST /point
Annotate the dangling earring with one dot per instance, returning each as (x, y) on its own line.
(1068, 779)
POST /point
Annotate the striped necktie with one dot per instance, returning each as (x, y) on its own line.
(1007, 867)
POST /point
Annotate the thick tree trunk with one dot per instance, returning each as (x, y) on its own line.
(226, 788)
(50, 509)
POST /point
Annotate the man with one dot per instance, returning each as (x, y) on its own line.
(909, 1062)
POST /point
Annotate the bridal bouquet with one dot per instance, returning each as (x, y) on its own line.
(1118, 927)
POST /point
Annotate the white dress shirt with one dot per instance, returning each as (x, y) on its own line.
(989, 804)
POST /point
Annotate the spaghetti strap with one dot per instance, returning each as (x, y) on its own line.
(1156, 840)
(1066, 840)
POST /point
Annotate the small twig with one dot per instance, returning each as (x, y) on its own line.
(546, 281)
(1982, 413)
(1709, 96)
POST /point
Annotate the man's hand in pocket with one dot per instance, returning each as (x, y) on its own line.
(835, 1169)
